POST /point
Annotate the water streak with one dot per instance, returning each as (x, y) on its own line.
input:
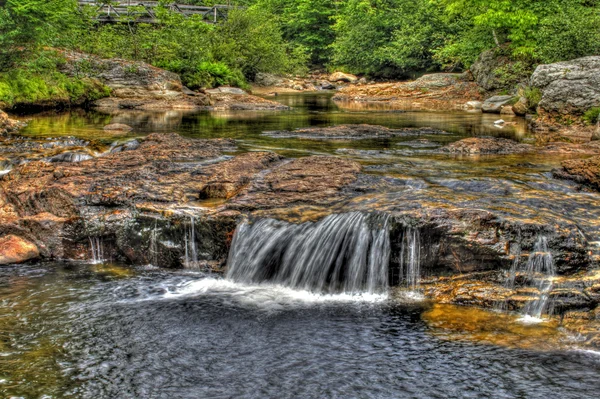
(410, 257)
(191, 250)
(97, 249)
(346, 253)
(540, 269)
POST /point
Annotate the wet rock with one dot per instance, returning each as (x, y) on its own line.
(15, 249)
(354, 132)
(120, 127)
(127, 146)
(569, 86)
(342, 77)
(582, 171)
(70, 157)
(315, 180)
(494, 104)
(486, 145)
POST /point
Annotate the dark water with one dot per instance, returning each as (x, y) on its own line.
(77, 331)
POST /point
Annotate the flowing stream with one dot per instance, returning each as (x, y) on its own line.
(304, 310)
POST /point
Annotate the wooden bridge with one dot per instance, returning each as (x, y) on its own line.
(144, 11)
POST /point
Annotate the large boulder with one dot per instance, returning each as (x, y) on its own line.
(342, 77)
(569, 87)
(15, 249)
(494, 70)
(126, 79)
(494, 104)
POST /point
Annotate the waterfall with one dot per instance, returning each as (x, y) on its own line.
(341, 253)
(410, 257)
(97, 250)
(191, 251)
(540, 269)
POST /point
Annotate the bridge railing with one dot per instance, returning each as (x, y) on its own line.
(143, 11)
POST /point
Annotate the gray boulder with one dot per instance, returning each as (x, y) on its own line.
(570, 86)
(493, 105)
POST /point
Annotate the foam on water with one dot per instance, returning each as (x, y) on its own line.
(265, 296)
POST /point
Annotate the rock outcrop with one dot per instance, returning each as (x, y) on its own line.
(443, 91)
(569, 87)
(138, 85)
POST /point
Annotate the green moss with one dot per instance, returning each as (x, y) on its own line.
(533, 96)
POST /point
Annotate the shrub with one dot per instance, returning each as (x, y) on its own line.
(592, 116)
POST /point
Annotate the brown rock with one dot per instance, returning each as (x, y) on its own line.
(15, 249)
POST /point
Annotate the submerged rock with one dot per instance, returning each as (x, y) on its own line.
(14, 249)
(121, 127)
(356, 132)
(485, 146)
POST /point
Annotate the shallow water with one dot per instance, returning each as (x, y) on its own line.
(110, 331)
(90, 331)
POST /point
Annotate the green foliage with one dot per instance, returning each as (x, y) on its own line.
(592, 116)
(23, 87)
(533, 96)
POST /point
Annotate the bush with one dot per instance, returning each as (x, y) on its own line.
(592, 116)
(533, 96)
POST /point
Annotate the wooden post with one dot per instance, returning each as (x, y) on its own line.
(215, 12)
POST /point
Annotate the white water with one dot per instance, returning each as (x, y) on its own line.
(191, 251)
(540, 268)
(346, 253)
(410, 258)
(97, 249)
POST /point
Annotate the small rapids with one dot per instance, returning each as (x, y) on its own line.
(342, 253)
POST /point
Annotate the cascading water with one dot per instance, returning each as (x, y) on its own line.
(410, 257)
(191, 251)
(346, 253)
(540, 269)
(97, 249)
